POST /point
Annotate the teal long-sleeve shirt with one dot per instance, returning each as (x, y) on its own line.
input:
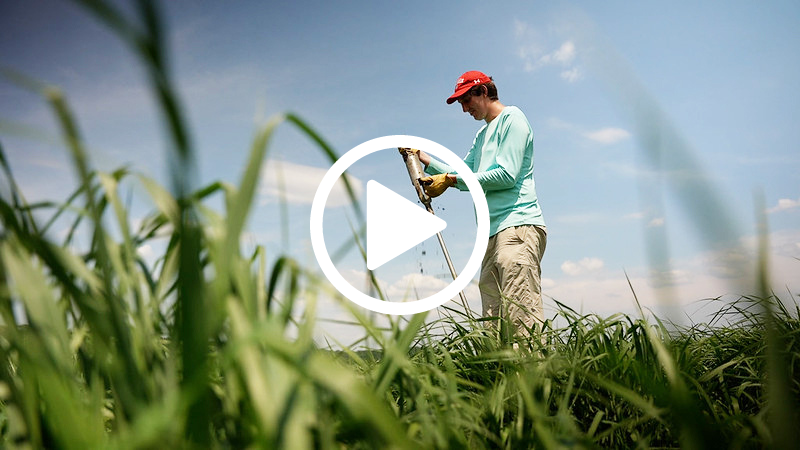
(502, 159)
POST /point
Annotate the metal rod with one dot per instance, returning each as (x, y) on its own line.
(415, 172)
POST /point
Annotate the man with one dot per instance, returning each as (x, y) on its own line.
(502, 159)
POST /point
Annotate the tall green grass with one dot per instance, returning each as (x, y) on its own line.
(100, 349)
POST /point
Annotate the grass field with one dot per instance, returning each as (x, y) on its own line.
(101, 349)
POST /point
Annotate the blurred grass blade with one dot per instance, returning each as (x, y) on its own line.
(783, 412)
(328, 151)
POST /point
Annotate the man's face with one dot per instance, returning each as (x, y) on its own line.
(474, 105)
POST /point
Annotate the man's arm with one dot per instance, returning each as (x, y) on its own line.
(424, 158)
(507, 167)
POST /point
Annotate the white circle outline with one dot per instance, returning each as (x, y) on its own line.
(318, 241)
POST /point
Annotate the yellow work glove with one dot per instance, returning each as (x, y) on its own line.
(435, 185)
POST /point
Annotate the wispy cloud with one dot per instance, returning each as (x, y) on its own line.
(571, 75)
(585, 265)
(297, 184)
(415, 286)
(608, 135)
(784, 204)
(706, 275)
(410, 287)
(652, 222)
(605, 135)
(563, 55)
(535, 54)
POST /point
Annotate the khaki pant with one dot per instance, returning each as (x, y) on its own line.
(510, 280)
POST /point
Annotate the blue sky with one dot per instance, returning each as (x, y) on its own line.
(647, 116)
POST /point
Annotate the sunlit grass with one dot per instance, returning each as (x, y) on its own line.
(203, 347)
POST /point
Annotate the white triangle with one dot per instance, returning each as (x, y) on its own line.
(394, 225)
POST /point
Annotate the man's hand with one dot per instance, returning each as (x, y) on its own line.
(436, 185)
(423, 157)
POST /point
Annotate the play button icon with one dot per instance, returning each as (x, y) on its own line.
(394, 225)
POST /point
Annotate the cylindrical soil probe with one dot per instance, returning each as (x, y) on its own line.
(414, 167)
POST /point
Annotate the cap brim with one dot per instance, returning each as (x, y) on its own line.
(458, 93)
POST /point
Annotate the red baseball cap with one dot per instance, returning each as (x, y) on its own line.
(466, 82)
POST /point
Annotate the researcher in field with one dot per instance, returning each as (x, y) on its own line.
(502, 159)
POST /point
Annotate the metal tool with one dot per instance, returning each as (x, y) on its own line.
(415, 172)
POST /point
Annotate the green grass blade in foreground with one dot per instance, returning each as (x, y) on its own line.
(225, 249)
(17, 199)
(783, 412)
(241, 201)
(196, 310)
(311, 367)
(396, 350)
(287, 266)
(696, 431)
(72, 417)
(328, 151)
(131, 369)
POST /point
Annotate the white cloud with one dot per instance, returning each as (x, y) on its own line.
(297, 184)
(684, 288)
(608, 135)
(605, 295)
(581, 267)
(730, 264)
(410, 287)
(520, 28)
(669, 278)
(571, 75)
(530, 48)
(535, 58)
(564, 55)
(145, 251)
(415, 286)
(784, 204)
(610, 293)
(654, 222)
(532, 51)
